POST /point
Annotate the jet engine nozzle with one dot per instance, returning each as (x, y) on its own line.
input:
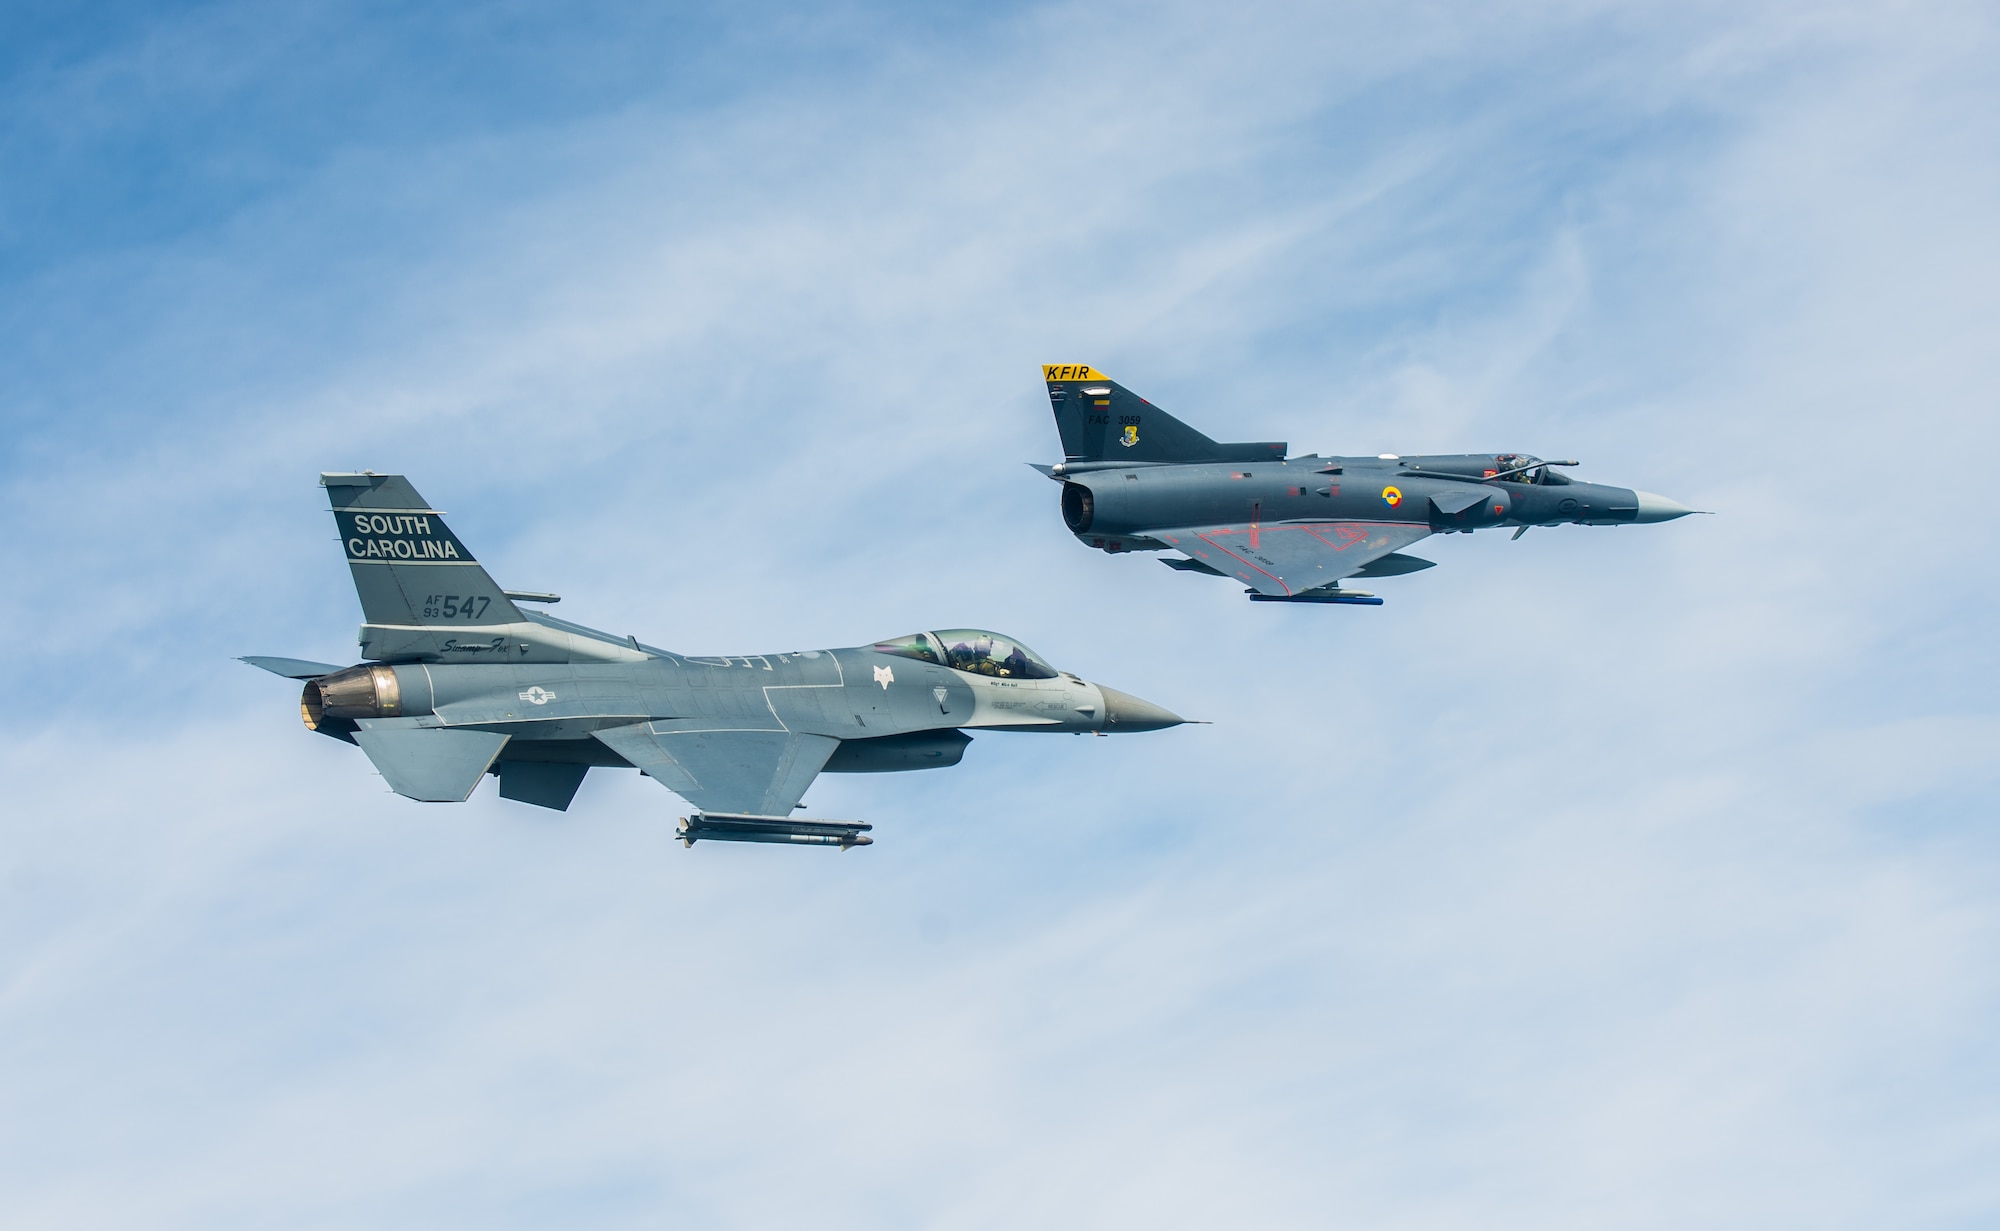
(358, 692)
(1125, 712)
(1078, 507)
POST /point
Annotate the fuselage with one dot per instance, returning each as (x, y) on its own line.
(890, 711)
(1113, 506)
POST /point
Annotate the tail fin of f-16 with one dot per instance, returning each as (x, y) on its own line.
(409, 568)
(1102, 420)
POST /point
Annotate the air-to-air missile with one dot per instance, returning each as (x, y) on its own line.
(462, 679)
(1293, 529)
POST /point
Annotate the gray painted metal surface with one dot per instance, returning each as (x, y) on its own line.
(1291, 529)
(459, 682)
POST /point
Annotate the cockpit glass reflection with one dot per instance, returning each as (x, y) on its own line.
(917, 645)
(983, 653)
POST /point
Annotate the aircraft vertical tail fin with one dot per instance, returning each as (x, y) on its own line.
(1102, 420)
(409, 569)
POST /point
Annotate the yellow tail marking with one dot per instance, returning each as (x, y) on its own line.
(1053, 372)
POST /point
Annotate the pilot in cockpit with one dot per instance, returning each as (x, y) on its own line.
(972, 651)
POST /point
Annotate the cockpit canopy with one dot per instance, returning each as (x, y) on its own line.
(1524, 468)
(972, 650)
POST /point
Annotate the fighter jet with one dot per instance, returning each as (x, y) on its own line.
(461, 679)
(1292, 529)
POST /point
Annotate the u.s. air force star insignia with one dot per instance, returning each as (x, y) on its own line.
(885, 676)
(537, 695)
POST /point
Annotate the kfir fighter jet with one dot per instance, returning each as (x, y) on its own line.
(463, 679)
(1292, 529)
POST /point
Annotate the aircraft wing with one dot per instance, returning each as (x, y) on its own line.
(1293, 557)
(732, 771)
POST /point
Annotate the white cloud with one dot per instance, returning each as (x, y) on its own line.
(1632, 877)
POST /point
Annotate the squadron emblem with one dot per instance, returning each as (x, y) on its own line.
(885, 676)
(1131, 436)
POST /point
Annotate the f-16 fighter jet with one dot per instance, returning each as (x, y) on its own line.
(1292, 529)
(462, 680)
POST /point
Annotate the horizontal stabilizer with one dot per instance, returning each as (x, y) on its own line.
(433, 764)
(291, 668)
(747, 827)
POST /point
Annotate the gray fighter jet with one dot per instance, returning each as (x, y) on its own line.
(461, 681)
(1135, 478)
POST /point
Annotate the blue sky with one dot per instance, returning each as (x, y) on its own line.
(1642, 877)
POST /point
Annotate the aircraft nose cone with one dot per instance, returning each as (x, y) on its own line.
(1125, 712)
(1659, 508)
